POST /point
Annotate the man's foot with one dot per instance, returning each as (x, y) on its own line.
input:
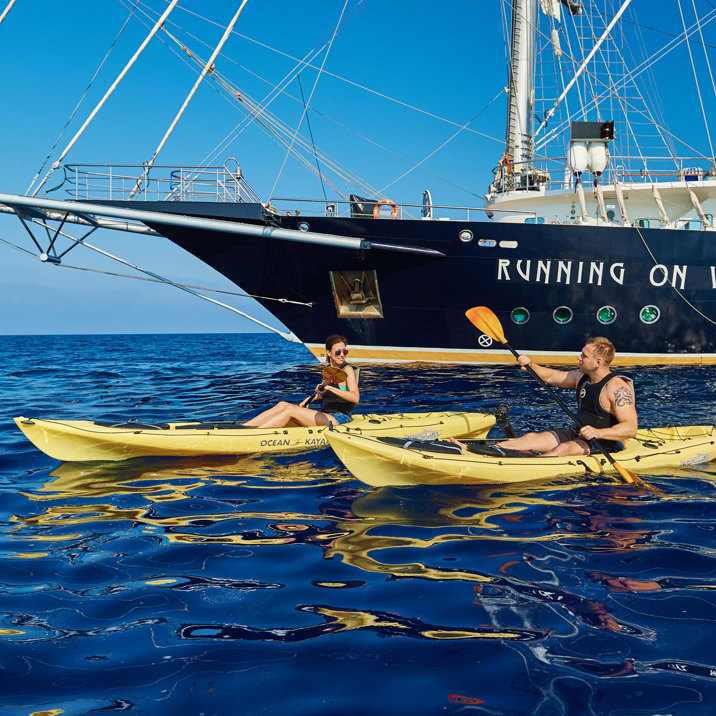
(462, 446)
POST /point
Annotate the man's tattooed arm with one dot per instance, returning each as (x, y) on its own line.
(623, 396)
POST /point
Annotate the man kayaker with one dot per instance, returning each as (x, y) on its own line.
(337, 401)
(605, 402)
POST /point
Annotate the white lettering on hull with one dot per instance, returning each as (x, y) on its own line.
(564, 268)
(543, 269)
(616, 271)
(596, 269)
(502, 265)
(591, 272)
(659, 275)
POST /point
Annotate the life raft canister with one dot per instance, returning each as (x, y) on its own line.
(385, 202)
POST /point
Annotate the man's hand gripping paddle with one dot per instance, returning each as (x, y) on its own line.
(329, 375)
(486, 321)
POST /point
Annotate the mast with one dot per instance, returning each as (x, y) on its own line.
(519, 143)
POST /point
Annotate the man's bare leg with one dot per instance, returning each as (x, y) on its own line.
(541, 442)
(572, 447)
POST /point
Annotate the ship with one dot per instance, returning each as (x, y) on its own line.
(595, 237)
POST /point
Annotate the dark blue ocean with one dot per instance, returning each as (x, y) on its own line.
(284, 586)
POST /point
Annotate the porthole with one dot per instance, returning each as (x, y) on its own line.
(607, 315)
(465, 235)
(563, 314)
(649, 314)
(520, 315)
(303, 226)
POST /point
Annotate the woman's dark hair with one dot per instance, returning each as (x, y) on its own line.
(333, 339)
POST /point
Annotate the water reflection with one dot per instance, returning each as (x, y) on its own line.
(507, 542)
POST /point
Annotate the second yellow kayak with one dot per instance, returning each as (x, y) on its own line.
(396, 462)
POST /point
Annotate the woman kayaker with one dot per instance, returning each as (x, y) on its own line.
(337, 401)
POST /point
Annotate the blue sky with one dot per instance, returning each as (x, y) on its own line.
(446, 59)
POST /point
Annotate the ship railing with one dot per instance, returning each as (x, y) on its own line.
(343, 208)
(118, 182)
(555, 174)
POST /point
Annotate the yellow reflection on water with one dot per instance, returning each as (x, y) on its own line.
(419, 518)
(351, 619)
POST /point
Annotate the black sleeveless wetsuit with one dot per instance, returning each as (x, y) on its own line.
(591, 412)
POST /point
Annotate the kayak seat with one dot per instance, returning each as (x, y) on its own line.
(132, 425)
(478, 447)
(436, 446)
(482, 448)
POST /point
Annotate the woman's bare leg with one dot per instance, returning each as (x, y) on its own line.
(257, 421)
(284, 413)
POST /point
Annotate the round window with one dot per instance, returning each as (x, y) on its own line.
(520, 315)
(606, 315)
(649, 314)
(563, 314)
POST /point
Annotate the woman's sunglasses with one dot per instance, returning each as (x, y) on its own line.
(338, 351)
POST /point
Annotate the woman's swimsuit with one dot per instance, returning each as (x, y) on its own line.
(338, 407)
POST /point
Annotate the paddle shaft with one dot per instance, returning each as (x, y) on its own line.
(309, 400)
(336, 375)
(562, 404)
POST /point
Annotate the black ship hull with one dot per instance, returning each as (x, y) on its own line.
(400, 306)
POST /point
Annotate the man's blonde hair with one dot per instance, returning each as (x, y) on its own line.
(603, 348)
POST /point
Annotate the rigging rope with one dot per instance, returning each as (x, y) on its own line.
(351, 82)
(706, 54)
(107, 94)
(636, 72)
(274, 128)
(696, 79)
(310, 97)
(310, 132)
(288, 336)
(84, 94)
(268, 123)
(439, 147)
(208, 67)
(308, 304)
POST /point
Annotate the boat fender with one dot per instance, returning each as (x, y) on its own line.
(385, 202)
(374, 421)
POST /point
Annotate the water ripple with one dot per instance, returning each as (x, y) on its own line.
(285, 586)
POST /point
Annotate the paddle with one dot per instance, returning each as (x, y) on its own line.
(329, 375)
(486, 321)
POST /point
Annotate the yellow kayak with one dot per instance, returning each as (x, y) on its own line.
(397, 462)
(87, 441)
